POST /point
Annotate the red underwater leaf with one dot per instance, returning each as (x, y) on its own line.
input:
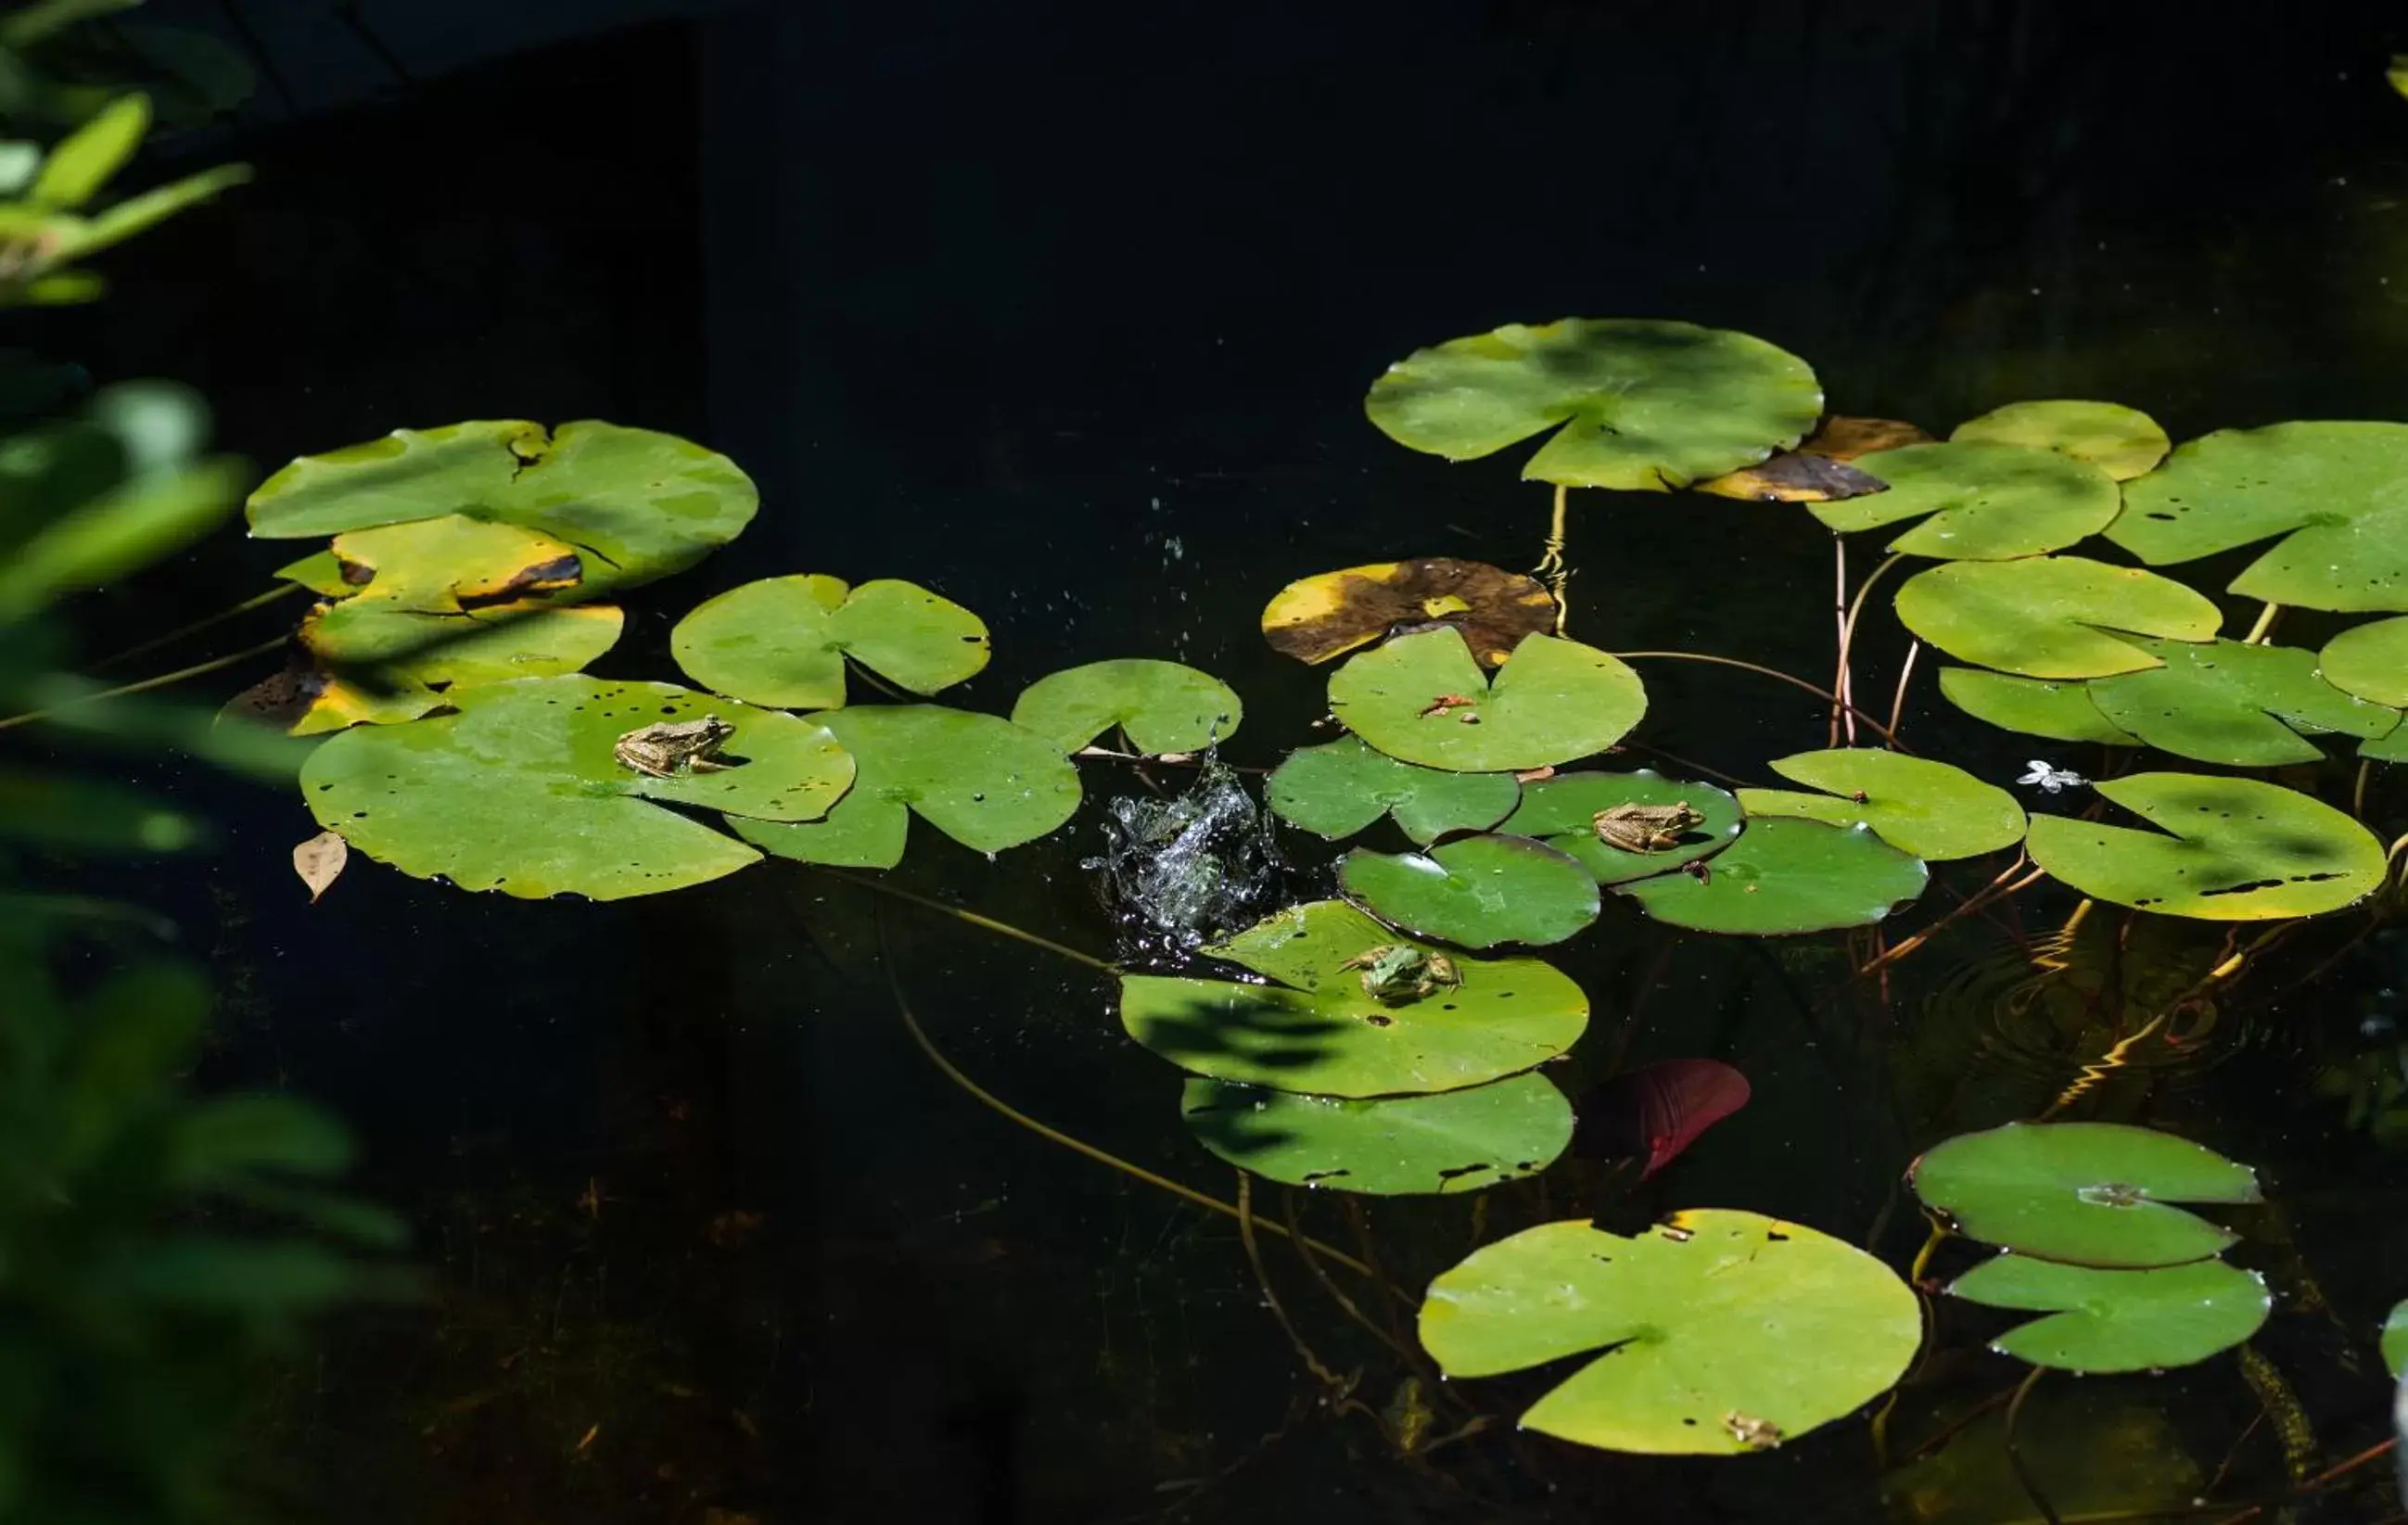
(1658, 1110)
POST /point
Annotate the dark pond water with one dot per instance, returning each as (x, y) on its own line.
(1066, 311)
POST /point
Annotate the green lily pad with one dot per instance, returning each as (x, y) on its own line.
(2395, 1339)
(2118, 1321)
(2227, 849)
(2338, 492)
(1987, 502)
(2092, 1194)
(1160, 706)
(981, 780)
(1318, 1030)
(1787, 876)
(483, 646)
(519, 791)
(636, 505)
(1398, 1146)
(1339, 789)
(1422, 699)
(1934, 810)
(2036, 707)
(783, 641)
(2235, 702)
(1644, 404)
(1476, 892)
(2370, 661)
(2051, 616)
(1562, 811)
(320, 572)
(1717, 1331)
(2122, 442)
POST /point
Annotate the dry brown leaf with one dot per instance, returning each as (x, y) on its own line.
(319, 860)
(1818, 471)
(1321, 618)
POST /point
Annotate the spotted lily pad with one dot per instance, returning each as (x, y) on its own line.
(1321, 618)
(783, 641)
(2051, 616)
(2235, 702)
(1160, 706)
(1391, 1146)
(2122, 442)
(1934, 810)
(1318, 1030)
(1984, 502)
(2227, 849)
(519, 791)
(2118, 1321)
(1787, 876)
(1562, 812)
(1642, 405)
(2037, 706)
(1422, 699)
(1341, 788)
(1476, 892)
(2092, 1194)
(1716, 1332)
(981, 780)
(2370, 661)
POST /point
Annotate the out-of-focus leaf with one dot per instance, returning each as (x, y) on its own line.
(84, 161)
(138, 524)
(29, 24)
(159, 424)
(143, 725)
(232, 1136)
(80, 238)
(91, 815)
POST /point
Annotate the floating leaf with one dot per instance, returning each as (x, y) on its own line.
(319, 860)
(1655, 1112)
(1321, 618)
(1337, 790)
(981, 780)
(2227, 849)
(1717, 1331)
(519, 791)
(1477, 891)
(2331, 489)
(1934, 810)
(2051, 616)
(1644, 404)
(2236, 703)
(1819, 469)
(783, 641)
(439, 565)
(1401, 1145)
(303, 701)
(2395, 1339)
(486, 645)
(2370, 661)
(1161, 707)
(2118, 1321)
(1422, 699)
(1987, 502)
(2036, 707)
(1562, 812)
(2122, 442)
(2092, 1194)
(321, 573)
(1787, 876)
(1319, 1031)
(1844, 438)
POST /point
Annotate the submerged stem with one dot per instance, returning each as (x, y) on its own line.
(987, 923)
(206, 623)
(2265, 625)
(2015, 1453)
(1551, 561)
(1897, 700)
(146, 685)
(1758, 668)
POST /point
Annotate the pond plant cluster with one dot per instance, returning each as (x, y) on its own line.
(1392, 1038)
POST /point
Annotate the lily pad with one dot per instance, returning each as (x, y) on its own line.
(783, 641)
(2051, 616)
(1160, 706)
(321, 573)
(1644, 404)
(2227, 849)
(1820, 468)
(644, 505)
(1986, 503)
(981, 780)
(1341, 788)
(1787, 876)
(1716, 1332)
(1477, 891)
(2395, 1339)
(2122, 442)
(2036, 707)
(1934, 810)
(1562, 811)
(1399, 1146)
(2338, 492)
(2370, 661)
(487, 644)
(2236, 703)
(519, 791)
(1318, 1030)
(1321, 618)
(2092, 1193)
(1422, 699)
(2118, 1321)
(441, 566)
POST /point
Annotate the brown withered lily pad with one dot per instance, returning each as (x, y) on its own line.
(1818, 471)
(1320, 617)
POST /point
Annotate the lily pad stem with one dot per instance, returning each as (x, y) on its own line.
(2265, 625)
(1551, 560)
(1790, 678)
(1897, 700)
(1341, 1389)
(988, 923)
(206, 623)
(1989, 894)
(2016, 1454)
(146, 685)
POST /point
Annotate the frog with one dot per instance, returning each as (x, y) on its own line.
(1645, 828)
(672, 748)
(1755, 1433)
(1397, 974)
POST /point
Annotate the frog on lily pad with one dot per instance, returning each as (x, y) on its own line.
(1646, 828)
(1398, 974)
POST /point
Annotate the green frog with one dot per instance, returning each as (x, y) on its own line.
(1645, 828)
(1397, 974)
(672, 748)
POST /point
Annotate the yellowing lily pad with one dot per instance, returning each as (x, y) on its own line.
(1715, 1333)
(1930, 809)
(438, 565)
(2118, 1321)
(1159, 706)
(1397, 1145)
(1476, 892)
(1321, 618)
(2370, 661)
(2122, 442)
(1642, 405)
(1562, 812)
(2092, 1194)
(783, 641)
(2227, 849)
(1984, 502)
(1787, 876)
(488, 645)
(2235, 702)
(1341, 788)
(2051, 616)
(2036, 707)
(1422, 699)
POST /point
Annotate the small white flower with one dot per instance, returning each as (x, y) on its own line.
(2052, 779)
